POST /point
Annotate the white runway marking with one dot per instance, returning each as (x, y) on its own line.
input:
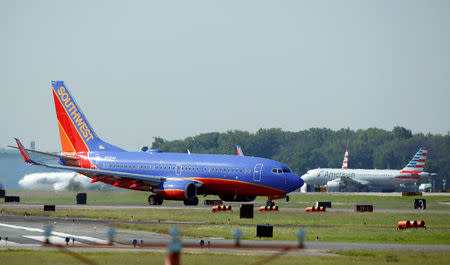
(87, 238)
(53, 240)
(57, 235)
(23, 227)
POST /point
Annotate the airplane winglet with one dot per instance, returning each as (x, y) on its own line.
(25, 155)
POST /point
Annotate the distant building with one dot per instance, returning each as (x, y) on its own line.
(33, 145)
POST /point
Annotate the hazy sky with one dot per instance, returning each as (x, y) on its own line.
(174, 69)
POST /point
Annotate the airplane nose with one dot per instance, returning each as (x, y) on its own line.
(297, 180)
(301, 181)
(307, 176)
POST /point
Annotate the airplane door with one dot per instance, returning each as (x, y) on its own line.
(257, 172)
(178, 170)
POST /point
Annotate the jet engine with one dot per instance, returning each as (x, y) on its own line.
(237, 198)
(184, 190)
(333, 186)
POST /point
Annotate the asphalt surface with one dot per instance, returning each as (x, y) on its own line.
(91, 235)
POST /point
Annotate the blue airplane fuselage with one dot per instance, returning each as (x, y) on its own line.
(248, 175)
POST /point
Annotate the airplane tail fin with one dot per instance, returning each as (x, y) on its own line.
(239, 151)
(345, 162)
(75, 132)
(418, 161)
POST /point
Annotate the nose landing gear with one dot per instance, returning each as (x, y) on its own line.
(270, 203)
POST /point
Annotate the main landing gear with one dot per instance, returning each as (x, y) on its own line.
(193, 202)
(155, 200)
(270, 203)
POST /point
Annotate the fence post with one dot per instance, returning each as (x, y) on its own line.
(174, 246)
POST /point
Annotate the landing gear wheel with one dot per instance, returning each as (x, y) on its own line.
(154, 200)
(191, 202)
(287, 198)
(270, 203)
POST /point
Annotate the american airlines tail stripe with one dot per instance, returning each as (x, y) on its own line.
(411, 172)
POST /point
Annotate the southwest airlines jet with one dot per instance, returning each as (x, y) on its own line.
(170, 176)
(334, 178)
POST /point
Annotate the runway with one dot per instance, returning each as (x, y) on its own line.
(286, 206)
(90, 235)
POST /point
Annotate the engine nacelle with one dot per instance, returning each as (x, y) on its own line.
(177, 190)
(237, 198)
(333, 186)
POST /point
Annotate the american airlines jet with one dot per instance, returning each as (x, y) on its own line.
(334, 178)
(166, 176)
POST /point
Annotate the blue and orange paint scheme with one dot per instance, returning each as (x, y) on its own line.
(171, 176)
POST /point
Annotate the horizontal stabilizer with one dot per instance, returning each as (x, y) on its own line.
(46, 154)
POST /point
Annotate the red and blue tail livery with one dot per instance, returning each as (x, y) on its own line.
(418, 162)
(170, 176)
(76, 133)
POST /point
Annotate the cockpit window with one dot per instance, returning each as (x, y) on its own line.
(286, 170)
(281, 171)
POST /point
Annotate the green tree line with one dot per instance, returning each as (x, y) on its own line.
(320, 147)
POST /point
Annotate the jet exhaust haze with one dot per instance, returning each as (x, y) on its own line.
(58, 181)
